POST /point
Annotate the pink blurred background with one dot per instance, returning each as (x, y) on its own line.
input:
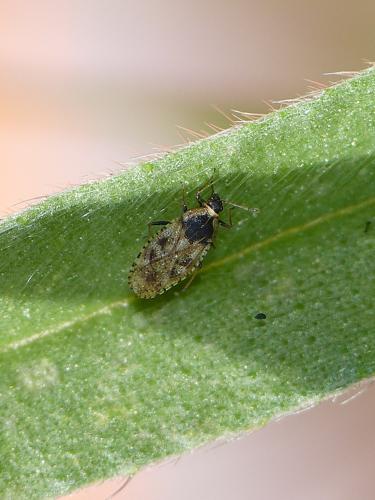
(86, 86)
(325, 453)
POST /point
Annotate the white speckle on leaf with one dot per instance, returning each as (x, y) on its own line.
(139, 321)
(39, 375)
(26, 313)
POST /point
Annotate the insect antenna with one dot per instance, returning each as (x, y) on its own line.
(243, 207)
(208, 184)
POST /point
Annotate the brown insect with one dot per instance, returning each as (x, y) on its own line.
(176, 252)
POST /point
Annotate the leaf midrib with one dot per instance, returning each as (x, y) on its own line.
(126, 301)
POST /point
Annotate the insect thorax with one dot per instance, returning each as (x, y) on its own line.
(199, 225)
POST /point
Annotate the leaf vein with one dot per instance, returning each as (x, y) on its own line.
(230, 258)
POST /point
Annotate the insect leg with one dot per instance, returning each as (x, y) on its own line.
(199, 198)
(190, 280)
(225, 224)
(198, 265)
(230, 215)
(229, 224)
(156, 223)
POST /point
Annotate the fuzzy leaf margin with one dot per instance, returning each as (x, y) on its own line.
(95, 381)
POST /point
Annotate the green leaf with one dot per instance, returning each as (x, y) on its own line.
(95, 381)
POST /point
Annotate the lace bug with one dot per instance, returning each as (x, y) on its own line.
(177, 251)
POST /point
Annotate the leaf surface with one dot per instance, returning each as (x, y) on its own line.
(95, 381)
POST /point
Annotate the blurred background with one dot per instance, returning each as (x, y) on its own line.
(87, 86)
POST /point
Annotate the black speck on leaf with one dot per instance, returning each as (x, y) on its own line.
(260, 316)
